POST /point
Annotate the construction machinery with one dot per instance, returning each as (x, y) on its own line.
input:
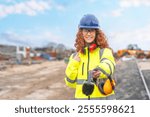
(133, 50)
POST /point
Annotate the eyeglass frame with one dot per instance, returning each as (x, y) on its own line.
(86, 31)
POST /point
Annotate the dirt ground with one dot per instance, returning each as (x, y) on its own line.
(45, 81)
(37, 81)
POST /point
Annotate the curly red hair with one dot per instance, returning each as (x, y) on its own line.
(100, 40)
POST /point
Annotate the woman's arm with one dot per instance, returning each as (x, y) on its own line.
(107, 63)
(72, 70)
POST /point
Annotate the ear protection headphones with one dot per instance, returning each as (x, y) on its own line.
(88, 85)
(88, 88)
(91, 47)
(106, 86)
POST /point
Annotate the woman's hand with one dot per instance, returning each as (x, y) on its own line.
(96, 74)
(77, 58)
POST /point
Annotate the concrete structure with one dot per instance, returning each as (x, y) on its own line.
(8, 50)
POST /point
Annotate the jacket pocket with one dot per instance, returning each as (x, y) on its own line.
(83, 68)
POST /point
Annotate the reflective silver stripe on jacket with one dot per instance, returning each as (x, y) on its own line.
(110, 97)
(103, 71)
(109, 68)
(101, 53)
(74, 54)
(107, 64)
(109, 60)
(80, 81)
(69, 80)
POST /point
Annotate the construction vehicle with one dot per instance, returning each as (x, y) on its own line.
(133, 50)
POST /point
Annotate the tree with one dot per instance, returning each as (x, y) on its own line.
(60, 49)
(51, 46)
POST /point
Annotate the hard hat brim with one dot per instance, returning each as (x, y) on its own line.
(89, 27)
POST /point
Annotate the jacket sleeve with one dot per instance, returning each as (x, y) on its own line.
(107, 63)
(71, 72)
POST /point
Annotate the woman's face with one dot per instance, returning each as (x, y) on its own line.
(89, 35)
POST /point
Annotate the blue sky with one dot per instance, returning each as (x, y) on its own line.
(38, 22)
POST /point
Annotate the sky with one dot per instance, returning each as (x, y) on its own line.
(39, 22)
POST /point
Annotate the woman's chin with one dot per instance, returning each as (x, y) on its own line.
(89, 41)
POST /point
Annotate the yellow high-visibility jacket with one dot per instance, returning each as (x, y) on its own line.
(77, 72)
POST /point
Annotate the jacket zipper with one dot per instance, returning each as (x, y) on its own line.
(88, 62)
(83, 68)
(88, 68)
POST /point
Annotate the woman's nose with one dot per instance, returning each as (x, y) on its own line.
(88, 33)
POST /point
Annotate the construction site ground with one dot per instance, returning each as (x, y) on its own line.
(36, 81)
(46, 81)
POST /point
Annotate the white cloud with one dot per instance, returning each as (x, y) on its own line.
(31, 7)
(59, 7)
(124, 4)
(120, 40)
(134, 3)
(29, 38)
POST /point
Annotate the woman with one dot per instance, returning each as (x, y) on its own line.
(90, 69)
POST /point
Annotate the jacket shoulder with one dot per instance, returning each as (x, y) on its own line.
(72, 55)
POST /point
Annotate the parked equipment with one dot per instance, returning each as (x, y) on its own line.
(133, 50)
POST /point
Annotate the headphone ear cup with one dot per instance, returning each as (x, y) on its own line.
(87, 88)
(100, 87)
(108, 88)
(113, 83)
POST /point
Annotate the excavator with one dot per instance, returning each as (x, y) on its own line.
(133, 50)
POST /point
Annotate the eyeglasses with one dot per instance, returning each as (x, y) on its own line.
(86, 31)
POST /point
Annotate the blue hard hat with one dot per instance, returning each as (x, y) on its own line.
(89, 21)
